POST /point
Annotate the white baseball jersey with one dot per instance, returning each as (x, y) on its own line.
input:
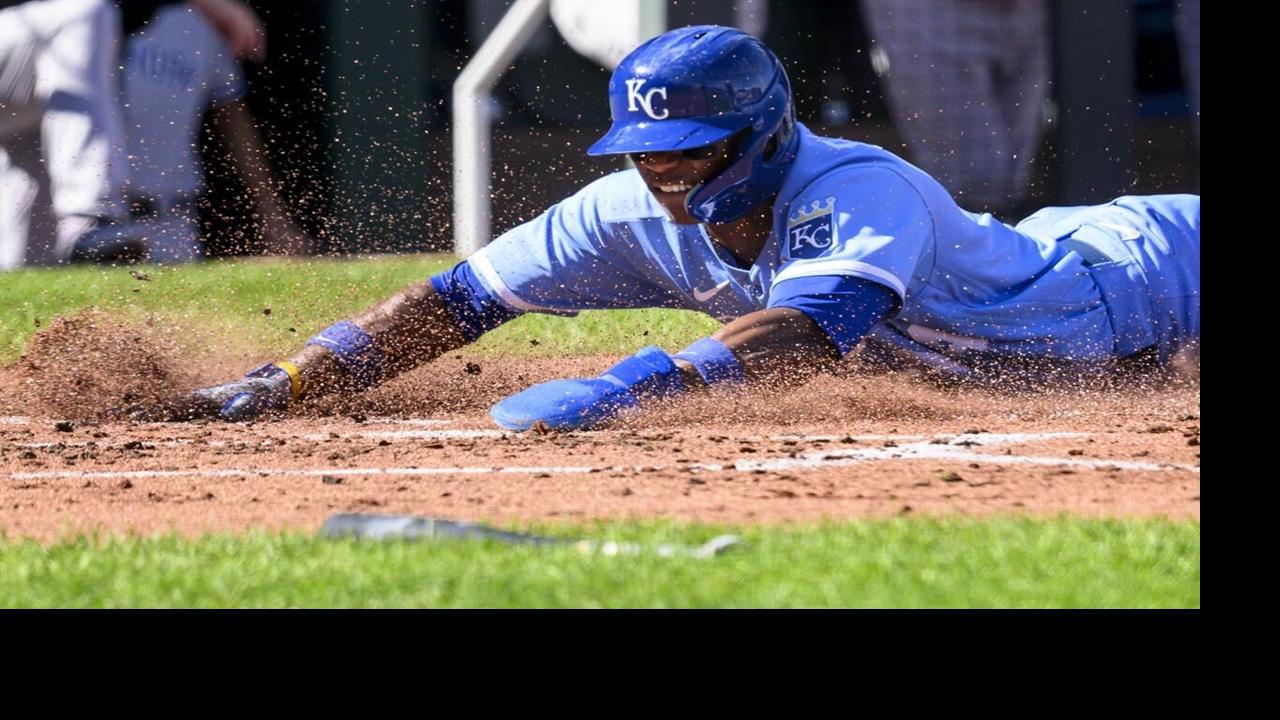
(174, 67)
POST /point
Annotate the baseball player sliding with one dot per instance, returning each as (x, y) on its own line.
(810, 246)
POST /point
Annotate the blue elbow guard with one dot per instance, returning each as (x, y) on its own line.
(474, 310)
(359, 357)
(583, 403)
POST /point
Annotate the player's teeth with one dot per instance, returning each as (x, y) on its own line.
(673, 188)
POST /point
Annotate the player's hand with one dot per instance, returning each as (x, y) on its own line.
(265, 390)
(238, 24)
(587, 402)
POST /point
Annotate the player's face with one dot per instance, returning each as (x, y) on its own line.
(671, 175)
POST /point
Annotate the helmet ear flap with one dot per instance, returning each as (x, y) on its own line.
(758, 170)
(781, 138)
(771, 147)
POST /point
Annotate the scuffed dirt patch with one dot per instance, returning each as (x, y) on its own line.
(84, 365)
(1135, 452)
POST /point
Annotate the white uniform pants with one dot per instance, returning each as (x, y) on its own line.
(58, 63)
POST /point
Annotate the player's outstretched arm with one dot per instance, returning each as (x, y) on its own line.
(395, 335)
(771, 346)
(804, 333)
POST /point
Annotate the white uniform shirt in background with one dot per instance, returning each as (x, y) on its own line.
(174, 69)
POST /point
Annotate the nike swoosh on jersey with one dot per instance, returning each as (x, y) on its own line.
(705, 295)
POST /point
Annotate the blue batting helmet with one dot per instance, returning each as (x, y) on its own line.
(698, 85)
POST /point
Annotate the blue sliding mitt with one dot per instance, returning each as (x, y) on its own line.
(586, 402)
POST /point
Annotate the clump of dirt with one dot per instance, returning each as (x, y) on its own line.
(821, 399)
(85, 365)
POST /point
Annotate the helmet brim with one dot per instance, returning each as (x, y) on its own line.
(665, 135)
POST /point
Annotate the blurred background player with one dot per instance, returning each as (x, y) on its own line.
(177, 68)
(58, 110)
(63, 169)
(603, 32)
(966, 82)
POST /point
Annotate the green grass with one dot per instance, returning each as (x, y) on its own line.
(1002, 563)
(227, 299)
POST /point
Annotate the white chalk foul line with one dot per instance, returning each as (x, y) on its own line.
(957, 451)
(271, 442)
(920, 451)
(406, 435)
(475, 434)
(302, 472)
(952, 438)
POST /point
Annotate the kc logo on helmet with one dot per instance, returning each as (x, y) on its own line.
(645, 100)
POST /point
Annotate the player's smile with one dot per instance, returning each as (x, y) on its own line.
(671, 175)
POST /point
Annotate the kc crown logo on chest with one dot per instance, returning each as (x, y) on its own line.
(811, 230)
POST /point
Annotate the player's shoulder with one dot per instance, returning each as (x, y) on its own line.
(619, 197)
(825, 160)
(836, 170)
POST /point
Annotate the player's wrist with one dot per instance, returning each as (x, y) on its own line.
(713, 363)
(689, 375)
(283, 380)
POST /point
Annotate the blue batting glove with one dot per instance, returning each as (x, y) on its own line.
(585, 402)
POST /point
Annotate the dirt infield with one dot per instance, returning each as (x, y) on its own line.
(840, 447)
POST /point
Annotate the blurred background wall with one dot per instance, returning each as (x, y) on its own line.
(353, 102)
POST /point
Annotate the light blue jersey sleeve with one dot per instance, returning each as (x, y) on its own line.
(578, 255)
(867, 222)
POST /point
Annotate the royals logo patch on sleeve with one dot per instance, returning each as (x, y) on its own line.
(811, 230)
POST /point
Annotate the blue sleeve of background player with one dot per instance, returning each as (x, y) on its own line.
(568, 258)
